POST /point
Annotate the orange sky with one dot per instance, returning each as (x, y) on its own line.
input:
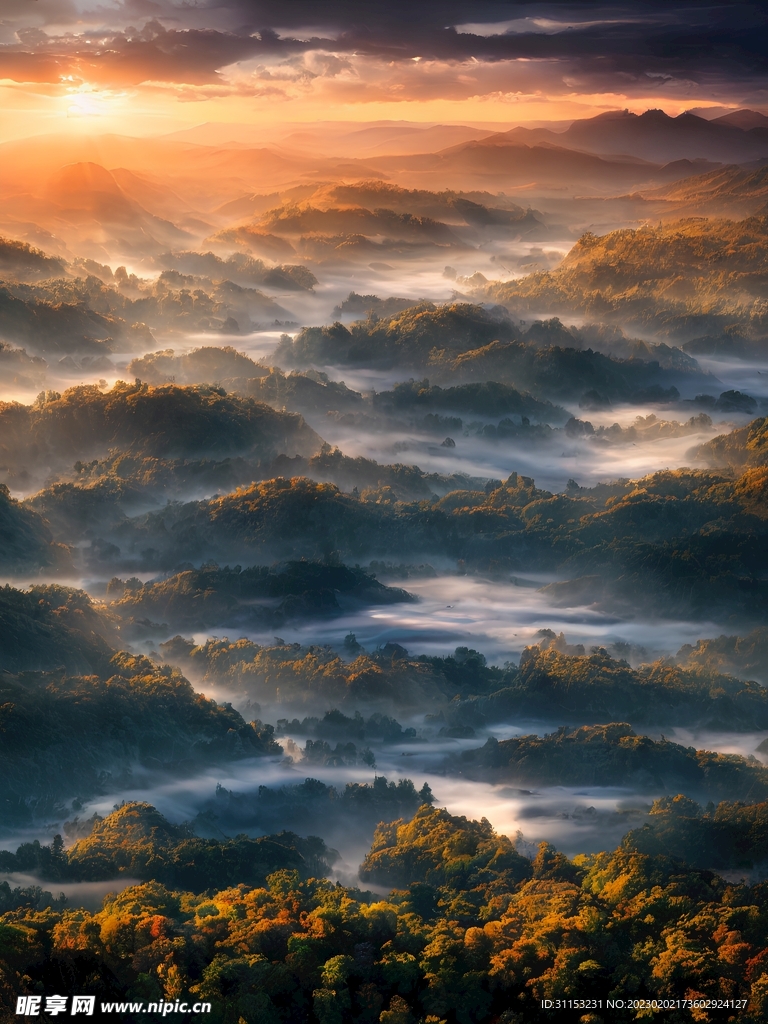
(147, 110)
(29, 109)
(150, 66)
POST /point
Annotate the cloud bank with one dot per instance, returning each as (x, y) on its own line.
(392, 51)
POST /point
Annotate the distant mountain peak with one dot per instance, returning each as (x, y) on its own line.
(656, 114)
(84, 176)
(745, 119)
(612, 115)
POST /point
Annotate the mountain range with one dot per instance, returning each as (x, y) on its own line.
(655, 136)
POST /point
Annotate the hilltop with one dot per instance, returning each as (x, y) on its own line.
(590, 755)
(460, 342)
(685, 278)
(657, 542)
(144, 421)
(68, 737)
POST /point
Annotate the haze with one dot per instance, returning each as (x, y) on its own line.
(383, 446)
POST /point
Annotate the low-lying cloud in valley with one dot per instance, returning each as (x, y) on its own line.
(383, 447)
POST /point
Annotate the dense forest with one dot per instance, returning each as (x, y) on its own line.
(660, 539)
(383, 515)
(687, 278)
(471, 931)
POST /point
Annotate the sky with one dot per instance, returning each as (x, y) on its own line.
(145, 67)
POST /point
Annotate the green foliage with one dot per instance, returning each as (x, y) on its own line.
(96, 314)
(75, 736)
(137, 841)
(498, 931)
(686, 542)
(437, 848)
(467, 342)
(238, 268)
(488, 399)
(355, 221)
(727, 836)
(595, 754)
(291, 673)
(155, 421)
(407, 338)
(22, 261)
(201, 366)
(44, 323)
(50, 626)
(745, 656)
(595, 687)
(564, 373)
(314, 806)
(336, 725)
(26, 542)
(304, 392)
(741, 448)
(103, 492)
(492, 931)
(259, 597)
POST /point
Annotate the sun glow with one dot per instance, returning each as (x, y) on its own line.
(83, 100)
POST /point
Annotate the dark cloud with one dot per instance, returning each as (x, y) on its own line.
(154, 53)
(626, 48)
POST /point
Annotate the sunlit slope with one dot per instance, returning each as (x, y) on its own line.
(657, 543)
(22, 261)
(729, 185)
(746, 656)
(138, 842)
(473, 927)
(745, 446)
(684, 278)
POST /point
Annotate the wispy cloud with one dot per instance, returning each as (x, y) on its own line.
(393, 49)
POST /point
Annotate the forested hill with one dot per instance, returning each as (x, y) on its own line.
(686, 278)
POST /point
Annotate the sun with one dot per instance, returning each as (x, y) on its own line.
(82, 100)
(85, 102)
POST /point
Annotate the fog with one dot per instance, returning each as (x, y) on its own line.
(497, 615)
(496, 618)
(551, 463)
(576, 820)
(89, 895)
